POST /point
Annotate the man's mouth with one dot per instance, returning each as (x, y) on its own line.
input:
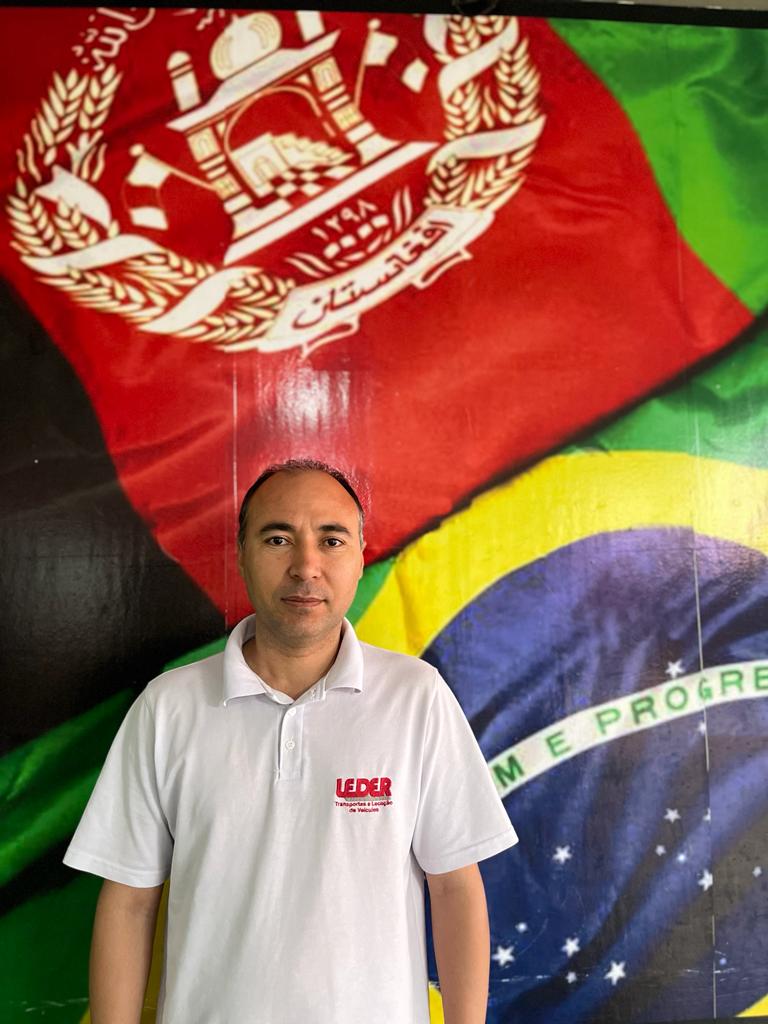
(303, 601)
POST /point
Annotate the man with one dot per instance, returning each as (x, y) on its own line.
(296, 789)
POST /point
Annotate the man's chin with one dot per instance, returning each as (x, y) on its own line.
(314, 625)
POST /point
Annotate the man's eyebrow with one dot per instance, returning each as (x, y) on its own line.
(289, 528)
(334, 528)
(269, 527)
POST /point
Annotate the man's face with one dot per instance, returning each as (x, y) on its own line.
(302, 558)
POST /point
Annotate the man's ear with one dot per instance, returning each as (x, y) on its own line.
(240, 559)
(362, 561)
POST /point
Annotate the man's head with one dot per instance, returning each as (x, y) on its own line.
(300, 551)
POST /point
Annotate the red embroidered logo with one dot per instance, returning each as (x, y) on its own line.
(359, 795)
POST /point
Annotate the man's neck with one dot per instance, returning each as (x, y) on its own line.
(291, 670)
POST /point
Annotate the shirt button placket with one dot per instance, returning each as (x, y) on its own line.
(290, 729)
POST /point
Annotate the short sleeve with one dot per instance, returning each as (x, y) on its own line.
(460, 818)
(123, 834)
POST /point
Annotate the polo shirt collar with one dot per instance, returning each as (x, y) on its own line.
(239, 680)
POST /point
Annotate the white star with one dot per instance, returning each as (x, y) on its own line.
(707, 815)
(504, 955)
(675, 669)
(757, 871)
(521, 927)
(702, 727)
(616, 972)
(571, 946)
(571, 977)
(562, 854)
(660, 850)
(706, 880)
(672, 815)
(682, 858)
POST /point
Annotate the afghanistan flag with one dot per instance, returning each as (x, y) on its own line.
(435, 251)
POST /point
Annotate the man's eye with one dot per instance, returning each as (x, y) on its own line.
(276, 542)
(334, 541)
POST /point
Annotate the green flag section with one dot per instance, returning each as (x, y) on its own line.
(46, 783)
(45, 943)
(697, 97)
(719, 413)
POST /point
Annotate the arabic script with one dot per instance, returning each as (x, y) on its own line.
(109, 29)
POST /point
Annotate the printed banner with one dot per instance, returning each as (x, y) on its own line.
(509, 274)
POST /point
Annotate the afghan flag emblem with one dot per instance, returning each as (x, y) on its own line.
(280, 143)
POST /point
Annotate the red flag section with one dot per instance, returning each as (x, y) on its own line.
(264, 236)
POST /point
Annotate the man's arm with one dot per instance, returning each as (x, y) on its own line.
(121, 951)
(462, 943)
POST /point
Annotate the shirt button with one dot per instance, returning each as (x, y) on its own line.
(289, 744)
(289, 712)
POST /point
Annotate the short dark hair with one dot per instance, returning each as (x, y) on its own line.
(295, 466)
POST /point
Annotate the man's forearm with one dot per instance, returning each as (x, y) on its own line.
(462, 948)
(121, 954)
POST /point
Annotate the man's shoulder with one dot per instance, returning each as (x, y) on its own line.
(197, 681)
(397, 668)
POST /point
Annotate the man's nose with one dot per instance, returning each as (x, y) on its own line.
(305, 563)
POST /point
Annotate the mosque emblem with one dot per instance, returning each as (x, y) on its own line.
(312, 188)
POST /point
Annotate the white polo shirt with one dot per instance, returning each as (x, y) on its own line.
(295, 833)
